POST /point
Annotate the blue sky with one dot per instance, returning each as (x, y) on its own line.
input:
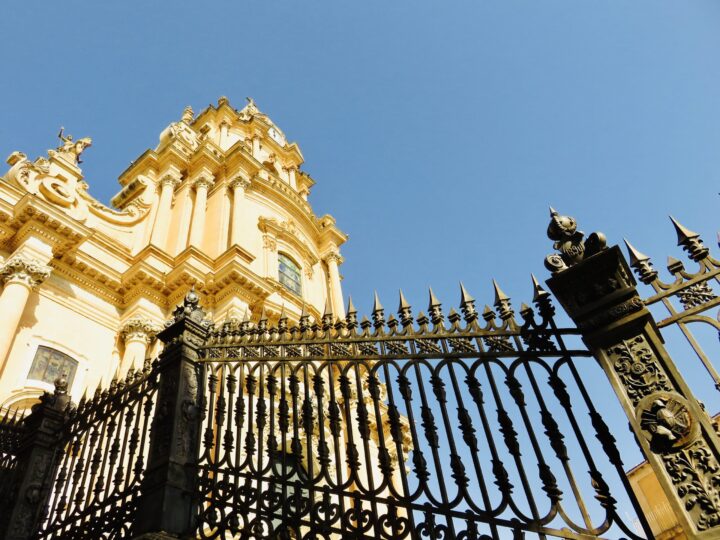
(438, 133)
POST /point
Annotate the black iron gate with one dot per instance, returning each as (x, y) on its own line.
(478, 423)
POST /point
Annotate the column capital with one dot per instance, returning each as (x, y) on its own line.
(333, 255)
(138, 329)
(23, 270)
(203, 180)
(240, 182)
(170, 180)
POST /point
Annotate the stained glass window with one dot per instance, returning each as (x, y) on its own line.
(49, 364)
(289, 274)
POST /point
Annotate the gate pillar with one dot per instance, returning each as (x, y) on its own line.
(168, 490)
(597, 290)
(31, 484)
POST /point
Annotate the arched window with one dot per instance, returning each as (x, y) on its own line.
(289, 274)
(49, 364)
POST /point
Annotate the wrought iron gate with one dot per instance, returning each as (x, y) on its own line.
(478, 423)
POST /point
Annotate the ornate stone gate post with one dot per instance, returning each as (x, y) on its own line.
(23, 500)
(595, 286)
(165, 509)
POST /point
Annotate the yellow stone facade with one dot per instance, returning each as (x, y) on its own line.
(220, 205)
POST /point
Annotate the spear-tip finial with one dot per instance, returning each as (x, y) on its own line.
(683, 233)
(433, 302)
(500, 296)
(377, 306)
(328, 312)
(465, 297)
(635, 255)
(403, 302)
(351, 307)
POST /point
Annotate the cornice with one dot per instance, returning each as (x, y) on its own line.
(34, 217)
(148, 160)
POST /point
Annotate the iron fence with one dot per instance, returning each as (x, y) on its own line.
(405, 428)
(100, 469)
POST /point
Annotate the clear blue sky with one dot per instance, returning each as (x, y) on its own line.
(438, 132)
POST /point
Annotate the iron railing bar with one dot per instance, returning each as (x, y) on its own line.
(476, 462)
(678, 316)
(565, 462)
(420, 356)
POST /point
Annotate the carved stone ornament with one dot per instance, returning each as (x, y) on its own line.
(568, 241)
(240, 182)
(138, 328)
(666, 421)
(189, 309)
(637, 367)
(169, 180)
(24, 270)
(203, 181)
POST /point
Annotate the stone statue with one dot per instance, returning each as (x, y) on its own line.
(251, 108)
(71, 149)
(188, 115)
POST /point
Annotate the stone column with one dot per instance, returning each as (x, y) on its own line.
(292, 180)
(256, 146)
(595, 286)
(137, 333)
(20, 274)
(197, 228)
(333, 259)
(239, 185)
(162, 220)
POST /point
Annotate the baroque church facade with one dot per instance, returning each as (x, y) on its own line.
(219, 205)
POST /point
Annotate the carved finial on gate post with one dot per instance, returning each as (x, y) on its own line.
(569, 242)
(690, 241)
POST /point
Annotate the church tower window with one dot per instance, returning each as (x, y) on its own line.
(289, 274)
(50, 364)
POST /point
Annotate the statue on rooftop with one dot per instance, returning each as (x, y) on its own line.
(71, 149)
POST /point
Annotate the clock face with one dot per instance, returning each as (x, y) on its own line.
(276, 136)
